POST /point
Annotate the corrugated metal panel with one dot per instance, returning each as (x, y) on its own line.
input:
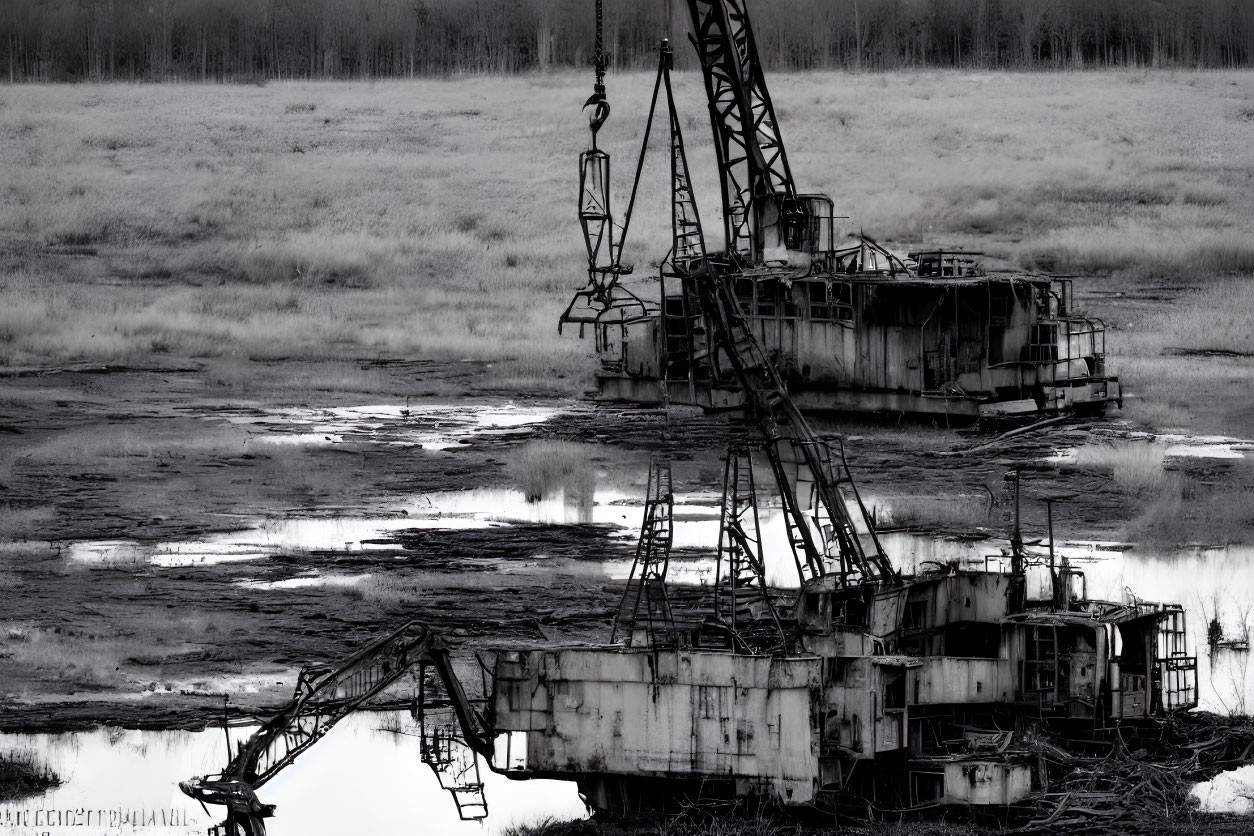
(941, 680)
(987, 782)
(669, 713)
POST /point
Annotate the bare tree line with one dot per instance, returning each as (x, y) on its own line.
(56, 40)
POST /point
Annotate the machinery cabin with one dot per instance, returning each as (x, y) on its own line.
(861, 330)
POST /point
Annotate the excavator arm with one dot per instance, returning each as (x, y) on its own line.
(324, 696)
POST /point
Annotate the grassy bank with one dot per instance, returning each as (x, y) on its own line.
(435, 219)
(22, 775)
(1180, 501)
(1189, 363)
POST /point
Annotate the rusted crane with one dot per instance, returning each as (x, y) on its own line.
(852, 326)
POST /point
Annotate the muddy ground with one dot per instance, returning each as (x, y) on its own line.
(127, 459)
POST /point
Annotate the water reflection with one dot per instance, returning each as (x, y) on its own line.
(474, 509)
(1209, 582)
(360, 778)
(1175, 445)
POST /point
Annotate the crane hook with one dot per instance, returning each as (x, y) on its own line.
(597, 101)
(600, 112)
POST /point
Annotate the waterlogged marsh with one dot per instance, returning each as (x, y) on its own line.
(562, 539)
(215, 544)
(160, 555)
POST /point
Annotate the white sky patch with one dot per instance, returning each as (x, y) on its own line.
(1227, 792)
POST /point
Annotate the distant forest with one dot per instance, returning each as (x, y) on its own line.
(253, 40)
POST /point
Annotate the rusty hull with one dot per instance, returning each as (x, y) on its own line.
(994, 346)
(591, 712)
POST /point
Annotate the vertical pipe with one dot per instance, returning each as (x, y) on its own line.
(1053, 575)
(1016, 540)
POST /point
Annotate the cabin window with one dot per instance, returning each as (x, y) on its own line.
(811, 605)
(915, 616)
(841, 296)
(852, 612)
(972, 639)
(891, 306)
(792, 300)
(895, 692)
(1134, 643)
(827, 302)
(929, 265)
(744, 295)
(820, 307)
(1040, 662)
(1042, 343)
(765, 294)
(926, 786)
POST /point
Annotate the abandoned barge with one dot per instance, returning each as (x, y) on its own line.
(852, 327)
(886, 336)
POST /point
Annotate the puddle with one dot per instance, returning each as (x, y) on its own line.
(1207, 582)
(358, 779)
(275, 683)
(1175, 445)
(609, 506)
(309, 581)
(432, 426)
(270, 538)
(445, 511)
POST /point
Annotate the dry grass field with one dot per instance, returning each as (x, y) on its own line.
(435, 219)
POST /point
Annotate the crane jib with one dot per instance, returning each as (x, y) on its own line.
(757, 184)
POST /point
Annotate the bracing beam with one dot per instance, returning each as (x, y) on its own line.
(753, 165)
